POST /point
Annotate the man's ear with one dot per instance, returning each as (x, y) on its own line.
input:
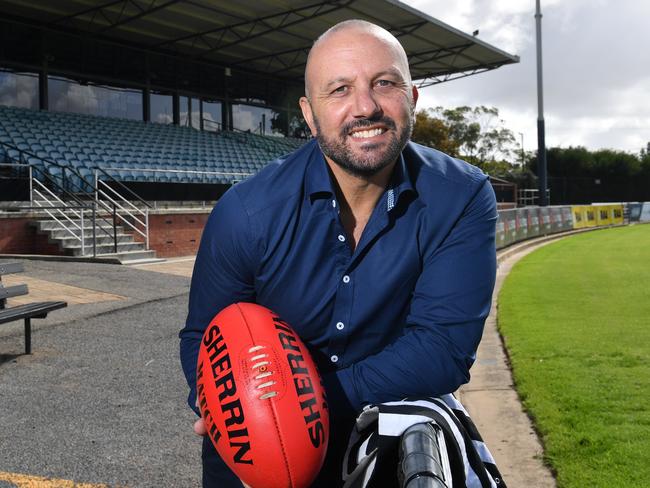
(416, 94)
(308, 115)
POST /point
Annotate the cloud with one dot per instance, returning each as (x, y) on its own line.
(18, 90)
(243, 118)
(78, 99)
(595, 68)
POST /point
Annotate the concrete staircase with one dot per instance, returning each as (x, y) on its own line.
(129, 251)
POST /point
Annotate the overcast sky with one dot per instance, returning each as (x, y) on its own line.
(596, 64)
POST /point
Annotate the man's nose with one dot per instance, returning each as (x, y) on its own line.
(365, 103)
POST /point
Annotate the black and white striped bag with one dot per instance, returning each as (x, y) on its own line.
(372, 456)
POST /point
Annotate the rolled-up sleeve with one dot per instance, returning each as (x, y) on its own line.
(223, 274)
(449, 305)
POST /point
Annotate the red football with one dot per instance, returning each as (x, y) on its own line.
(261, 398)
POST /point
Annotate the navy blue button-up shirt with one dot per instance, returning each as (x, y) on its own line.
(401, 315)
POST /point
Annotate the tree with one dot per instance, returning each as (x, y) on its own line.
(474, 134)
(433, 132)
(480, 134)
(579, 162)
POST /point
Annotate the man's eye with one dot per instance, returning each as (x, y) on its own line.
(340, 89)
(383, 83)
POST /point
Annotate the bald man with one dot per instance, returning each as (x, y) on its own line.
(378, 251)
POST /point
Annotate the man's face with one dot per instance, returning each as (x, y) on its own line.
(361, 102)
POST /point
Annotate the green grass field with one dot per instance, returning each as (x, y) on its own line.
(575, 316)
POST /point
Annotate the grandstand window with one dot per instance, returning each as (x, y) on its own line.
(195, 110)
(191, 106)
(70, 96)
(258, 120)
(211, 116)
(162, 108)
(19, 89)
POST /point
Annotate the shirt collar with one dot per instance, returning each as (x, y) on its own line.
(400, 182)
(318, 177)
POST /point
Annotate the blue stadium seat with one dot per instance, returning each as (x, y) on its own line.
(89, 141)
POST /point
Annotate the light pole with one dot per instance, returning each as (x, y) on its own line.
(541, 138)
(522, 150)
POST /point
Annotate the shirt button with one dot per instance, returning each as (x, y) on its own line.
(340, 325)
(334, 203)
(334, 358)
(346, 279)
(341, 238)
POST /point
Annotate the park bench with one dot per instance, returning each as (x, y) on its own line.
(28, 311)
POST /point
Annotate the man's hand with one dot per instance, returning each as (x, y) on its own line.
(199, 427)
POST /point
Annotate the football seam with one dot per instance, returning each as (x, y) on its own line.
(284, 451)
(275, 418)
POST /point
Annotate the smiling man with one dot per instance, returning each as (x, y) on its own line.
(379, 252)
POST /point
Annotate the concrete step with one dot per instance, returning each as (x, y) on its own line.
(128, 250)
(67, 241)
(105, 248)
(48, 225)
(87, 231)
(134, 257)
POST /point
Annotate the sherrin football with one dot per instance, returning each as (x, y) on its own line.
(261, 398)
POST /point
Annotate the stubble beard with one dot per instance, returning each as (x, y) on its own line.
(371, 161)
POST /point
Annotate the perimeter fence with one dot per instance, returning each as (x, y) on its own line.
(519, 224)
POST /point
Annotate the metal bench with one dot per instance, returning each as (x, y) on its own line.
(26, 312)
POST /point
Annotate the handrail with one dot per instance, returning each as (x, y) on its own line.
(109, 187)
(60, 211)
(51, 162)
(100, 184)
(72, 195)
(61, 187)
(117, 205)
(191, 171)
(218, 124)
(97, 168)
(63, 191)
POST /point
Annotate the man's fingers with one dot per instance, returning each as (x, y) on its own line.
(199, 427)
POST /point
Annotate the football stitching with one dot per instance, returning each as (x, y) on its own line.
(262, 369)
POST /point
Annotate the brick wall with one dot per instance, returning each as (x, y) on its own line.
(170, 234)
(18, 237)
(176, 234)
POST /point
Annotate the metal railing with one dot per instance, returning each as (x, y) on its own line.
(79, 211)
(64, 190)
(125, 210)
(154, 172)
(130, 215)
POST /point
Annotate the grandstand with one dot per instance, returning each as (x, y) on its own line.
(109, 109)
(131, 151)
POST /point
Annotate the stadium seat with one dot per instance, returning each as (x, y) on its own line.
(86, 141)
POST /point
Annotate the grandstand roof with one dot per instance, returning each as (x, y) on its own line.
(268, 36)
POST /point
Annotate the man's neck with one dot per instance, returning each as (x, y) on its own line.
(358, 196)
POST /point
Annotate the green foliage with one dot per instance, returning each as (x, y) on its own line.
(433, 132)
(475, 134)
(579, 162)
(574, 319)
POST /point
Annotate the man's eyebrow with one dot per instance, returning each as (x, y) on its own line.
(343, 79)
(336, 81)
(392, 72)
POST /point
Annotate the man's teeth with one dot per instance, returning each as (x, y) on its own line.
(364, 134)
